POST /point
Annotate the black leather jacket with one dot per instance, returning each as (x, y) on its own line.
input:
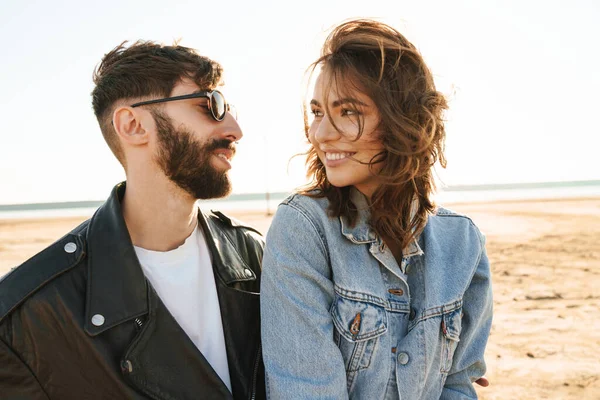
(80, 321)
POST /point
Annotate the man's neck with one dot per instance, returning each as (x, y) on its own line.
(159, 215)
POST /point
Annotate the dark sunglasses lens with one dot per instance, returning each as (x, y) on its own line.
(218, 106)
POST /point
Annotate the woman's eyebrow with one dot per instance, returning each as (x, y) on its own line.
(347, 100)
(340, 102)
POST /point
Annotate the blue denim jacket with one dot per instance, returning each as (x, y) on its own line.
(341, 319)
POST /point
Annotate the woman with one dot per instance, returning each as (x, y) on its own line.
(369, 291)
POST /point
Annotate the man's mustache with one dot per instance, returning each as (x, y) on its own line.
(222, 144)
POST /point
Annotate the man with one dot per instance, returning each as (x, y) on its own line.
(150, 298)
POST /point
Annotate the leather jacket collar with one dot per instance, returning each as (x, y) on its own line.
(116, 283)
(117, 287)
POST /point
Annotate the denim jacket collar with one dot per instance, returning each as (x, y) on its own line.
(362, 232)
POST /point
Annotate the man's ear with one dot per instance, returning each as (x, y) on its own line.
(128, 126)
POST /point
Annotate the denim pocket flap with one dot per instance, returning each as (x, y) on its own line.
(451, 324)
(358, 320)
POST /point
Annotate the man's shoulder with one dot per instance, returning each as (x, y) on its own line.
(41, 269)
(228, 222)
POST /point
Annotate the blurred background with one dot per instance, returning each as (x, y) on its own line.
(522, 78)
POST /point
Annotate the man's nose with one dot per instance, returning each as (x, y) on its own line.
(231, 130)
(325, 131)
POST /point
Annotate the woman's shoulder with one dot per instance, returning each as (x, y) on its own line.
(312, 203)
(454, 224)
(304, 209)
(304, 219)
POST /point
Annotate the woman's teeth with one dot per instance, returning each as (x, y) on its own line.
(337, 156)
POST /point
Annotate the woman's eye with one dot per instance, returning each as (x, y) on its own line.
(316, 113)
(346, 111)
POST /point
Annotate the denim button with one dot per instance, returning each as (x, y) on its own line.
(397, 292)
(355, 327)
(412, 314)
(403, 358)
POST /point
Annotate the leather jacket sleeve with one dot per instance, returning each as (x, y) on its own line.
(16, 379)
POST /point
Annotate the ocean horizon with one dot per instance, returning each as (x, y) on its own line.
(269, 201)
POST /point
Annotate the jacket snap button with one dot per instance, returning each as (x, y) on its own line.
(355, 327)
(127, 366)
(403, 358)
(248, 272)
(70, 247)
(98, 320)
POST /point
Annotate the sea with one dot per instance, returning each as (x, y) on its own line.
(268, 202)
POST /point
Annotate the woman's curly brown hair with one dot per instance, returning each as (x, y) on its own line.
(381, 63)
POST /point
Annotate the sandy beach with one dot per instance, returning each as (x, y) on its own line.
(545, 259)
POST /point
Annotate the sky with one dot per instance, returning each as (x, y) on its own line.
(522, 79)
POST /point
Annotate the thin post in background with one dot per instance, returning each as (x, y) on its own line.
(267, 198)
(267, 194)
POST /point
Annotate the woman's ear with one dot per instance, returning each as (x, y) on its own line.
(128, 126)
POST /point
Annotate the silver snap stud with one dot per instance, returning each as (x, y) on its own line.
(127, 366)
(248, 272)
(70, 247)
(403, 358)
(98, 320)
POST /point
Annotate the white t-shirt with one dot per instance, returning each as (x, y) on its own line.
(184, 280)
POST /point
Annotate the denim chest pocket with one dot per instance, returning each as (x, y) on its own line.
(359, 324)
(450, 328)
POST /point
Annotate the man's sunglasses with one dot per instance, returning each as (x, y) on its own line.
(216, 102)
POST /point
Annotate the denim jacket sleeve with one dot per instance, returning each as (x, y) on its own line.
(469, 364)
(301, 358)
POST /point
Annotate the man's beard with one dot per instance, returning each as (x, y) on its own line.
(187, 162)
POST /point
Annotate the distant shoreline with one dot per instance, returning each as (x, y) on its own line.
(278, 196)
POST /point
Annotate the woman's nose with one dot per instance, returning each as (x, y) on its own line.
(325, 131)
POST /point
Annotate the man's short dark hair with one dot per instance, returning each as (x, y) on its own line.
(141, 70)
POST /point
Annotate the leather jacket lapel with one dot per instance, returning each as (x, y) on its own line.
(116, 283)
(241, 325)
(162, 357)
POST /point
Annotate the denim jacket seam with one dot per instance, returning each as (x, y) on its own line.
(480, 236)
(306, 215)
(479, 256)
(354, 295)
(439, 310)
(455, 215)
